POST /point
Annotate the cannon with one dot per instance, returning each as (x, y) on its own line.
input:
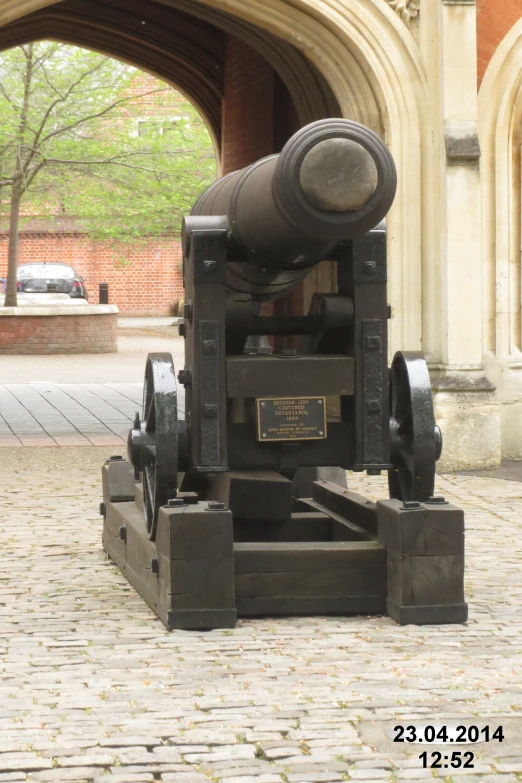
(240, 506)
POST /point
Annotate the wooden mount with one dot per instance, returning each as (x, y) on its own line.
(117, 481)
(336, 554)
(257, 494)
(425, 562)
(187, 575)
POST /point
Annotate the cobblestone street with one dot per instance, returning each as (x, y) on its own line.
(94, 689)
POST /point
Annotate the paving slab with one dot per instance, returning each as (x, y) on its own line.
(67, 414)
(57, 414)
(93, 687)
(144, 322)
(82, 400)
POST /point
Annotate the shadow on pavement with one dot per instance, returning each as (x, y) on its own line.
(510, 470)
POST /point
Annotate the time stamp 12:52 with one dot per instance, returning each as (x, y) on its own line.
(445, 735)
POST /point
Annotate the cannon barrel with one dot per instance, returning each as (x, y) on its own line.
(333, 180)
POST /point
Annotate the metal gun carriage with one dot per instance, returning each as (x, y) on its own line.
(241, 507)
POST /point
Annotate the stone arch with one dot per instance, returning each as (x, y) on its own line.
(180, 42)
(500, 130)
(500, 116)
(372, 64)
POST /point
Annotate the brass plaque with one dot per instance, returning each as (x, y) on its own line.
(291, 418)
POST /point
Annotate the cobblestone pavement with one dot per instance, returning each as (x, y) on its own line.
(94, 689)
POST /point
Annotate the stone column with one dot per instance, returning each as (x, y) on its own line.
(465, 400)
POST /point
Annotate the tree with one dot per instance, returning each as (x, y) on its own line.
(92, 137)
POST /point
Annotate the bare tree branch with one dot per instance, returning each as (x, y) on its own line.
(33, 174)
(46, 55)
(6, 96)
(114, 161)
(64, 97)
(95, 116)
(50, 84)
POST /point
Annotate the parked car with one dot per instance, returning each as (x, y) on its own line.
(3, 285)
(40, 277)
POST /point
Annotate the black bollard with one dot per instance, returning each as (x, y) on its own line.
(104, 293)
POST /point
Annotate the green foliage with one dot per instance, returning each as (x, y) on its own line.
(89, 137)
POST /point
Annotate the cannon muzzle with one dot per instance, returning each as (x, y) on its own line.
(333, 180)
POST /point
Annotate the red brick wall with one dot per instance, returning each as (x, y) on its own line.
(145, 279)
(259, 114)
(58, 334)
(248, 106)
(495, 18)
(286, 119)
(258, 117)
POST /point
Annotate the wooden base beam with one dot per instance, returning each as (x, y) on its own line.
(206, 568)
(195, 588)
(425, 561)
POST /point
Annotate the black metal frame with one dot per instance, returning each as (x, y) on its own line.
(347, 335)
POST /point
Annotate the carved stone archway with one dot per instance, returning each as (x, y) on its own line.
(373, 68)
(500, 120)
(179, 41)
(400, 70)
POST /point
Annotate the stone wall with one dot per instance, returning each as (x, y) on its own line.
(500, 130)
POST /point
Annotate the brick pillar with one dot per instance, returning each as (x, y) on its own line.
(259, 116)
(248, 106)
(286, 121)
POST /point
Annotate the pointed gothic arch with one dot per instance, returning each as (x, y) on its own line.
(500, 129)
(357, 55)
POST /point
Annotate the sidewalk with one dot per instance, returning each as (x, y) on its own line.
(126, 366)
(147, 323)
(80, 400)
(56, 414)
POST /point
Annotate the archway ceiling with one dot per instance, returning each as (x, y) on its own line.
(180, 41)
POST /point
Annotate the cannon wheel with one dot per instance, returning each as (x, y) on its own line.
(159, 437)
(415, 439)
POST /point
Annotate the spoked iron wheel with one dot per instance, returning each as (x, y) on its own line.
(415, 439)
(153, 442)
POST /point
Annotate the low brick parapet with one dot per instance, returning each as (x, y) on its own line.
(58, 329)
